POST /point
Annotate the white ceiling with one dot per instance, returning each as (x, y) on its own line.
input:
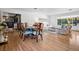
(47, 11)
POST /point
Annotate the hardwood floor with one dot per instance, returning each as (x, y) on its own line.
(50, 42)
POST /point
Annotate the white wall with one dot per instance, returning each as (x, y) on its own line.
(30, 18)
(53, 20)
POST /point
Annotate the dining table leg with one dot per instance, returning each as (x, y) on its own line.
(36, 38)
(41, 36)
(23, 37)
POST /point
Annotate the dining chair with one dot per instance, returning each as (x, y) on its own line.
(39, 28)
(20, 29)
(26, 25)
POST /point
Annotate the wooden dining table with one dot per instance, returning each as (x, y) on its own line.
(31, 32)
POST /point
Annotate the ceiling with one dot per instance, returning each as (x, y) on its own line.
(47, 11)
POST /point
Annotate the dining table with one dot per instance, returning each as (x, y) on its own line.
(32, 32)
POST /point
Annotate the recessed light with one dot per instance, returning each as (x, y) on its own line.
(70, 9)
(35, 8)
